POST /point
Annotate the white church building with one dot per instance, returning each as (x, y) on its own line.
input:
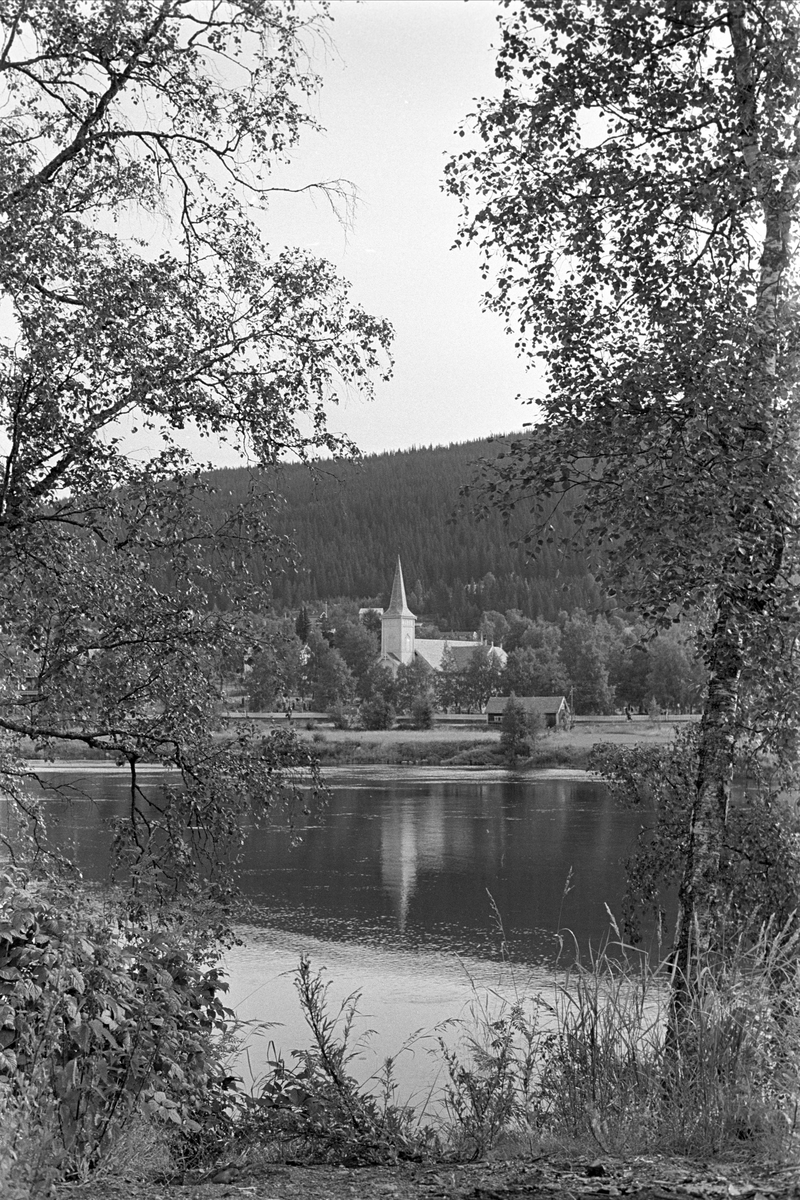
(401, 646)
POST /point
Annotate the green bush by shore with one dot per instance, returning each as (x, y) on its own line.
(457, 753)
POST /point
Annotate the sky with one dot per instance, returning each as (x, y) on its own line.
(398, 80)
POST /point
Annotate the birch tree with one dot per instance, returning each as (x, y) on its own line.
(140, 146)
(634, 195)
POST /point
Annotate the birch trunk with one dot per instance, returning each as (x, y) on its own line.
(773, 179)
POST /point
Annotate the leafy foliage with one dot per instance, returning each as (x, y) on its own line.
(377, 713)
(422, 713)
(760, 848)
(326, 676)
(101, 1018)
(142, 300)
(634, 194)
(491, 1089)
(276, 670)
(318, 1104)
(515, 730)
(666, 414)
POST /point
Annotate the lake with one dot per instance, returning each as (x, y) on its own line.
(426, 889)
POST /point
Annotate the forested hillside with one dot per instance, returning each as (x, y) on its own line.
(349, 521)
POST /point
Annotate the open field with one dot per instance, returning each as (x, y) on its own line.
(476, 745)
(584, 734)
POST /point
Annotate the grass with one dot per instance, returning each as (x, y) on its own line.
(580, 1067)
(444, 745)
(590, 1064)
(400, 747)
(448, 746)
(411, 749)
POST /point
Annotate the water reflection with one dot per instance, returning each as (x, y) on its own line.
(399, 888)
(412, 861)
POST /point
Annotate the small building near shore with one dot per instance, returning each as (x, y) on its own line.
(553, 710)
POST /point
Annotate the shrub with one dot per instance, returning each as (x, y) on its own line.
(422, 713)
(491, 1077)
(515, 732)
(342, 717)
(377, 713)
(100, 1017)
(318, 1105)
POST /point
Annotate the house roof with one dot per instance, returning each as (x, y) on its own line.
(398, 605)
(546, 705)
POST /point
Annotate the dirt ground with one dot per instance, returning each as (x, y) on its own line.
(519, 1179)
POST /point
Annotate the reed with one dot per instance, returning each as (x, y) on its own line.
(589, 1062)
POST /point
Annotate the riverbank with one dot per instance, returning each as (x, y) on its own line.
(470, 747)
(442, 746)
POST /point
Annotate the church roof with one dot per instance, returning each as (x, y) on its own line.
(398, 606)
(431, 651)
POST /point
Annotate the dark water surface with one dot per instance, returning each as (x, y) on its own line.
(413, 886)
(420, 860)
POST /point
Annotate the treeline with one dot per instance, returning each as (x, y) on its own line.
(602, 664)
(350, 520)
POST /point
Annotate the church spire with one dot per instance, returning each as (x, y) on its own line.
(398, 605)
(397, 626)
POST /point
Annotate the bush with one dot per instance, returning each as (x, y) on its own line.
(377, 713)
(762, 835)
(101, 1017)
(342, 717)
(515, 732)
(319, 1107)
(422, 713)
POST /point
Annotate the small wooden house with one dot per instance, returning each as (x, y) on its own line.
(554, 710)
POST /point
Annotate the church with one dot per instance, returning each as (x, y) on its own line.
(401, 647)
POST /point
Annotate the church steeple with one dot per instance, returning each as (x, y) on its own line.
(398, 605)
(397, 625)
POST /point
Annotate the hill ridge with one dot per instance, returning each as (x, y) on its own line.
(349, 519)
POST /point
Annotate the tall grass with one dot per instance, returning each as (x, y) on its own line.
(598, 1060)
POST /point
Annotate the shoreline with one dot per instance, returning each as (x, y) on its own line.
(563, 754)
(448, 747)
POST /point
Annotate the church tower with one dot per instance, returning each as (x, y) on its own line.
(397, 624)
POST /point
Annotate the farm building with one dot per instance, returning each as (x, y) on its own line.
(554, 710)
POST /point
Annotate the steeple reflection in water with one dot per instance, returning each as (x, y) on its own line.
(412, 840)
(406, 860)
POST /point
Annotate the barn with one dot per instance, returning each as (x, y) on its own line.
(554, 710)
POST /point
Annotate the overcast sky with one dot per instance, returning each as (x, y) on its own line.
(399, 79)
